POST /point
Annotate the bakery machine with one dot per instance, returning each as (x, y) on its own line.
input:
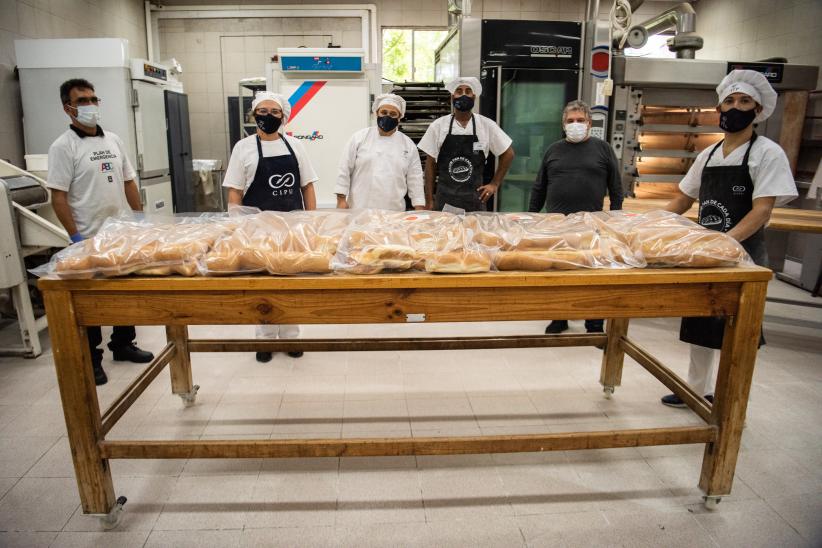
(330, 91)
(529, 70)
(141, 101)
(24, 232)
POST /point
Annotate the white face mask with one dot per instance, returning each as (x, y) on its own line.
(88, 115)
(576, 131)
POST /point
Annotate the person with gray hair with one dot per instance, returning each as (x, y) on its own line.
(576, 174)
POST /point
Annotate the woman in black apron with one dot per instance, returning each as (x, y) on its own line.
(460, 165)
(726, 199)
(276, 187)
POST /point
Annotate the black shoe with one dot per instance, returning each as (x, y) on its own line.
(672, 400)
(264, 357)
(100, 376)
(556, 326)
(131, 353)
(296, 354)
(599, 329)
(709, 398)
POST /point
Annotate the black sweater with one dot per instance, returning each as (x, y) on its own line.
(575, 177)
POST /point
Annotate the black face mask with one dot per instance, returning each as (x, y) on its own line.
(268, 123)
(387, 123)
(463, 103)
(736, 120)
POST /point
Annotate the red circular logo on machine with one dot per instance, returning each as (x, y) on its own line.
(599, 61)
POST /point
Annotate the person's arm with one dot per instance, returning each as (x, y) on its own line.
(505, 159)
(430, 173)
(59, 202)
(133, 195)
(309, 197)
(680, 203)
(757, 217)
(414, 179)
(235, 196)
(348, 159)
(540, 189)
(614, 179)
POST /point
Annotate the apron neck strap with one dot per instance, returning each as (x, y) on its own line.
(285, 142)
(747, 151)
(473, 125)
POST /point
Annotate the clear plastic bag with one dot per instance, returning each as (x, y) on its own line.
(375, 241)
(146, 246)
(284, 243)
(666, 239)
(444, 244)
(544, 241)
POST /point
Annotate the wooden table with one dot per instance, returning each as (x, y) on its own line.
(737, 293)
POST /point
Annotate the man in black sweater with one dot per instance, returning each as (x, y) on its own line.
(576, 174)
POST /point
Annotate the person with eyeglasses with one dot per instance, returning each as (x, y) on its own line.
(380, 164)
(271, 171)
(91, 179)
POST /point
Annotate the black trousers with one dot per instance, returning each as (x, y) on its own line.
(122, 335)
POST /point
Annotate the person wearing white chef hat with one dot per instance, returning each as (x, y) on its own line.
(380, 165)
(737, 182)
(457, 146)
(271, 171)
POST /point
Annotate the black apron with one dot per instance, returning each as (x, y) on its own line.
(459, 171)
(725, 197)
(276, 184)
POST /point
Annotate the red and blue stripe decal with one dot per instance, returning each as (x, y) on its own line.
(302, 95)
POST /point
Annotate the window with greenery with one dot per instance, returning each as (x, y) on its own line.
(408, 54)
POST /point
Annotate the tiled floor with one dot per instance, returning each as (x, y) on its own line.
(630, 497)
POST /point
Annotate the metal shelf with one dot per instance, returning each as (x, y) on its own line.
(676, 128)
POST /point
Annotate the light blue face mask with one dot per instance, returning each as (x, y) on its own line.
(88, 115)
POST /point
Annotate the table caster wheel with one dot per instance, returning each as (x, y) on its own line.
(190, 398)
(608, 391)
(711, 502)
(112, 519)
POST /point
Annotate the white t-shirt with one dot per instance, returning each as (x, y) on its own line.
(244, 159)
(92, 170)
(377, 171)
(767, 163)
(491, 137)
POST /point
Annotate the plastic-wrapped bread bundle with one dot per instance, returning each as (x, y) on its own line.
(286, 243)
(375, 241)
(667, 239)
(148, 246)
(538, 242)
(445, 245)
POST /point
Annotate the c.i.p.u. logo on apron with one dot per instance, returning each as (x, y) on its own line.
(460, 169)
(282, 184)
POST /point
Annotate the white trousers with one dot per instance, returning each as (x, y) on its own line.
(284, 331)
(702, 370)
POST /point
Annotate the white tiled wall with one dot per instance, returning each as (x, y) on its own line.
(21, 19)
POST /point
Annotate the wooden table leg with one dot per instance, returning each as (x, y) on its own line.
(733, 384)
(613, 356)
(182, 383)
(72, 359)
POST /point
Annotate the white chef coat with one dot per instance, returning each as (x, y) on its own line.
(489, 134)
(767, 164)
(92, 170)
(244, 159)
(377, 171)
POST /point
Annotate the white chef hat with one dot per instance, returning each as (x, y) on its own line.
(469, 81)
(285, 106)
(749, 82)
(390, 99)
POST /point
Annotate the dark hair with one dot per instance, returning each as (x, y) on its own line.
(68, 85)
